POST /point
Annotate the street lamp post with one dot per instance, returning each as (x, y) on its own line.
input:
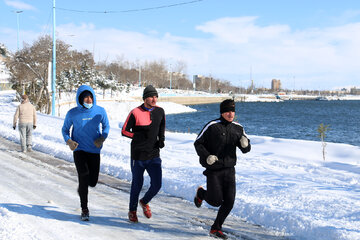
(53, 84)
(18, 27)
(210, 84)
(140, 48)
(139, 75)
(170, 76)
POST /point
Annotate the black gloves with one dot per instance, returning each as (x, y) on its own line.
(99, 142)
(161, 143)
(34, 126)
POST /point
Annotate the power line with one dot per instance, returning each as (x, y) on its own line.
(131, 10)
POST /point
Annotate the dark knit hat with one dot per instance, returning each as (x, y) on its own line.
(83, 95)
(149, 91)
(227, 106)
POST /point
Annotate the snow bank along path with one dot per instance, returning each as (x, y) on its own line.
(38, 200)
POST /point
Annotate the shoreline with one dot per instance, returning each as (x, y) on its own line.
(195, 100)
(190, 100)
(209, 99)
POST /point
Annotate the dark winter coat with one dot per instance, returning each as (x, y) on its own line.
(146, 128)
(220, 138)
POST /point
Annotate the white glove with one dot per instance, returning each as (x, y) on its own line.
(244, 142)
(211, 159)
(72, 144)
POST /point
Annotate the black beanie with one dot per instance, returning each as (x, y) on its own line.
(83, 95)
(227, 105)
(149, 91)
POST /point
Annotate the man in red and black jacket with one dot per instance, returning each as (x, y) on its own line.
(216, 146)
(145, 125)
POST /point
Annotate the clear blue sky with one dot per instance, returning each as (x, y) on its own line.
(305, 44)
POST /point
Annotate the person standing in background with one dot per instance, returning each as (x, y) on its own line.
(86, 141)
(145, 125)
(216, 146)
(26, 114)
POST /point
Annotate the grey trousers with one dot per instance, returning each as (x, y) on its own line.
(25, 130)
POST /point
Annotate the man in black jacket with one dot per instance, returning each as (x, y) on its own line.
(216, 146)
(145, 125)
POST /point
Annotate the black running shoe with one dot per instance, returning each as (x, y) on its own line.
(85, 215)
(197, 200)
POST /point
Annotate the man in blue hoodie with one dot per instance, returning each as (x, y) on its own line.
(86, 140)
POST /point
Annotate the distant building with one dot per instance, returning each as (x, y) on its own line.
(355, 91)
(275, 85)
(197, 80)
(201, 82)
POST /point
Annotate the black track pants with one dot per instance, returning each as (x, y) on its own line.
(87, 167)
(221, 189)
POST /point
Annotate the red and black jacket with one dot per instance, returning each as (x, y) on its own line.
(146, 128)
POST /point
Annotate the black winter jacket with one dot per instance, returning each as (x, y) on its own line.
(146, 128)
(220, 138)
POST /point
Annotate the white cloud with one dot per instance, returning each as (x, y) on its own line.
(345, 17)
(307, 59)
(241, 30)
(19, 5)
(325, 56)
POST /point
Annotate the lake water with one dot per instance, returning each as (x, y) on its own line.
(288, 119)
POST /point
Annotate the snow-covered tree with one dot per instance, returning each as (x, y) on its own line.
(29, 69)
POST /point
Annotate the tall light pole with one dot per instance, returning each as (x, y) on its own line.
(139, 67)
(170, 75)
(53, 83)
(210, 83)
(18, 27)
(139, 75)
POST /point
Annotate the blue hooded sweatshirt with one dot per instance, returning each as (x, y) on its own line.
(86, 123)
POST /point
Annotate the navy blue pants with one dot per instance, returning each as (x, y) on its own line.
(138, 167)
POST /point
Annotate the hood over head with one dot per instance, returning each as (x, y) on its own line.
(80, 90)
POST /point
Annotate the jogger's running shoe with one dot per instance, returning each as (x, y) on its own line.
(85, 215)
(217, 234)
(132, 216)
(197, 200)
(146, 209)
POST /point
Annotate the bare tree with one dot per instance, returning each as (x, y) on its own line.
(29, 69)
(155, 73)
(29, 72)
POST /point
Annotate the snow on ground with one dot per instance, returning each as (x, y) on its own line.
(282, 184)
(47, 206)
